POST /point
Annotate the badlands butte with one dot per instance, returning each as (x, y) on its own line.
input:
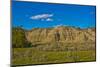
(62, 37)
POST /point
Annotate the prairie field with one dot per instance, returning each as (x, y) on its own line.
(26, 56)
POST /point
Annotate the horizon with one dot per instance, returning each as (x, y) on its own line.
(31, 15)
(55, 27)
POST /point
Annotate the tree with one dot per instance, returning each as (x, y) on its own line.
(19, 38)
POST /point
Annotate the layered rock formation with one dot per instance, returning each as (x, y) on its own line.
(61, 34)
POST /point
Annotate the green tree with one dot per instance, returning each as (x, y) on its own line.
(19, 38)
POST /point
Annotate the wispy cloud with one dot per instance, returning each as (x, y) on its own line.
(42, 17)
(59, 25)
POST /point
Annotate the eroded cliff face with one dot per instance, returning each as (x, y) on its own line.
(61, 34)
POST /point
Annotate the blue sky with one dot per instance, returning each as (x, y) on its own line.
(43, 15)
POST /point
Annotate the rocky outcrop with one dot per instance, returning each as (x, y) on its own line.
(61, 34)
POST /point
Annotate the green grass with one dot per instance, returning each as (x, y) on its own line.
(24, 56)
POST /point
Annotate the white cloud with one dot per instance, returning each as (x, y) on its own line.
(41, 16)
(49, 19)
(56, 26)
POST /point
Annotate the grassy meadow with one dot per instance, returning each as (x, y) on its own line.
(24, 56)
